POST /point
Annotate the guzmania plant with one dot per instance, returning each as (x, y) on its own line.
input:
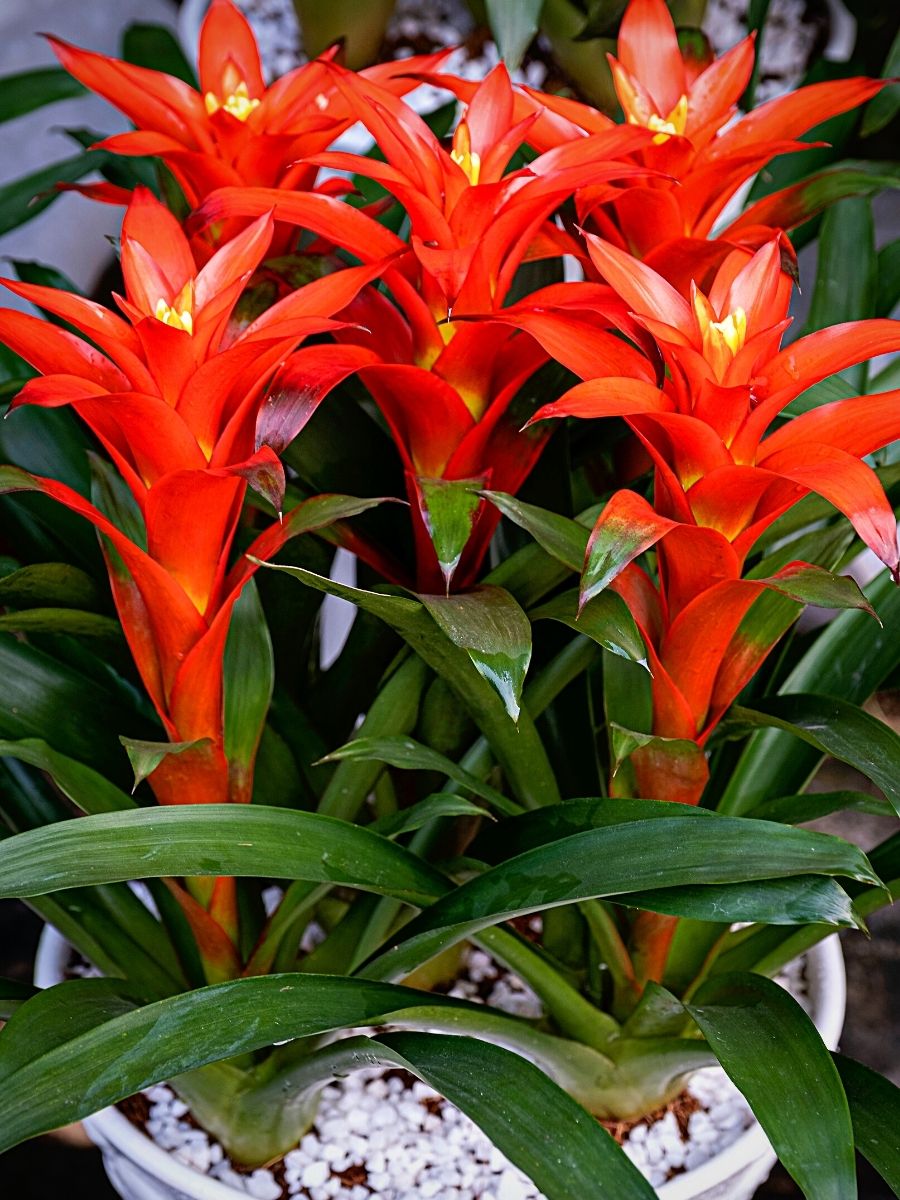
(536, 370)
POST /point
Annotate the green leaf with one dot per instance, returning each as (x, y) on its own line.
(514, 24)
(837, 728)
(56, 584)
(882, 109)
(495, 633)
(155, 47)
(810, 806)
(82, 785)
(606, 620)
(441, 804)
(875, 1113)
(71, 621)
(615, 860)
(79, 1046)
(563, 538)
(846, 274)
(212, 839)
(39, 696)
(410, 755)
(24, 198)
(849, 659)
(145, 757)
(249, 678)
(772, 1051)
(546, 1133)
(888, 284)
(449, 508)
(517, 747)
(813, 585)
(24, 92)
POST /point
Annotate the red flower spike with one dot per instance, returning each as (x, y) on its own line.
(727, 382)
(234, 131)
(688, 109)
(176, 406)
(472, 223)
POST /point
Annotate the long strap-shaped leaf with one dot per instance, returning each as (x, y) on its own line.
(451, 647)
(78, 1047)
(673, 852)
(211, 839)
(773, 1052)
(547, 1134)
(875, 1113)
(849, 659)
(837, 728)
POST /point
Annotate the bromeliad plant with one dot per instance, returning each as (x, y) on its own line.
(545, 614)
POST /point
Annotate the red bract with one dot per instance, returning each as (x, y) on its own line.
(472, 223)
(689, 106)
(235, 130)
(176, 406)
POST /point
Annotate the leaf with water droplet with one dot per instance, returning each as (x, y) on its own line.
(495, 633)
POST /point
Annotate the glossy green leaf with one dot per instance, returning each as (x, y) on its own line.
(155, 47)
(248, 678)
(612, 861)
(846, 273)
(211, 839)
(605, 620)
(774, 1054)
(24, 92)
(449, 508)
(24, 198)
(79, 1046)
(82, 785)
(837, 728)
(145, 757)
(514, 27)
(875, 1113)
(563, 538)
(39, 696)
(541, 1129)
(794, 901)
(54, 584)
(810, 806)
(882, 109)
(410, 755)
(848, 659)
(813, 585)
(495, 633)
(71, 621)
(888, 284)
(517, 747)
(432, 808)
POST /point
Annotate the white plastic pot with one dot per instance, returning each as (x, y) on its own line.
(141, 1170)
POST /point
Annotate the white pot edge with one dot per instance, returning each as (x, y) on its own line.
(828, 984)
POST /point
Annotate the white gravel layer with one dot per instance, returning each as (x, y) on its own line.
(378, 1136)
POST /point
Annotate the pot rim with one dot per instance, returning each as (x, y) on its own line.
(828, 986)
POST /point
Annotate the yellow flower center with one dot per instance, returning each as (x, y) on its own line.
(238, 103)
(467, 159)
(665, 127)
(732, 330)
(180, 313)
